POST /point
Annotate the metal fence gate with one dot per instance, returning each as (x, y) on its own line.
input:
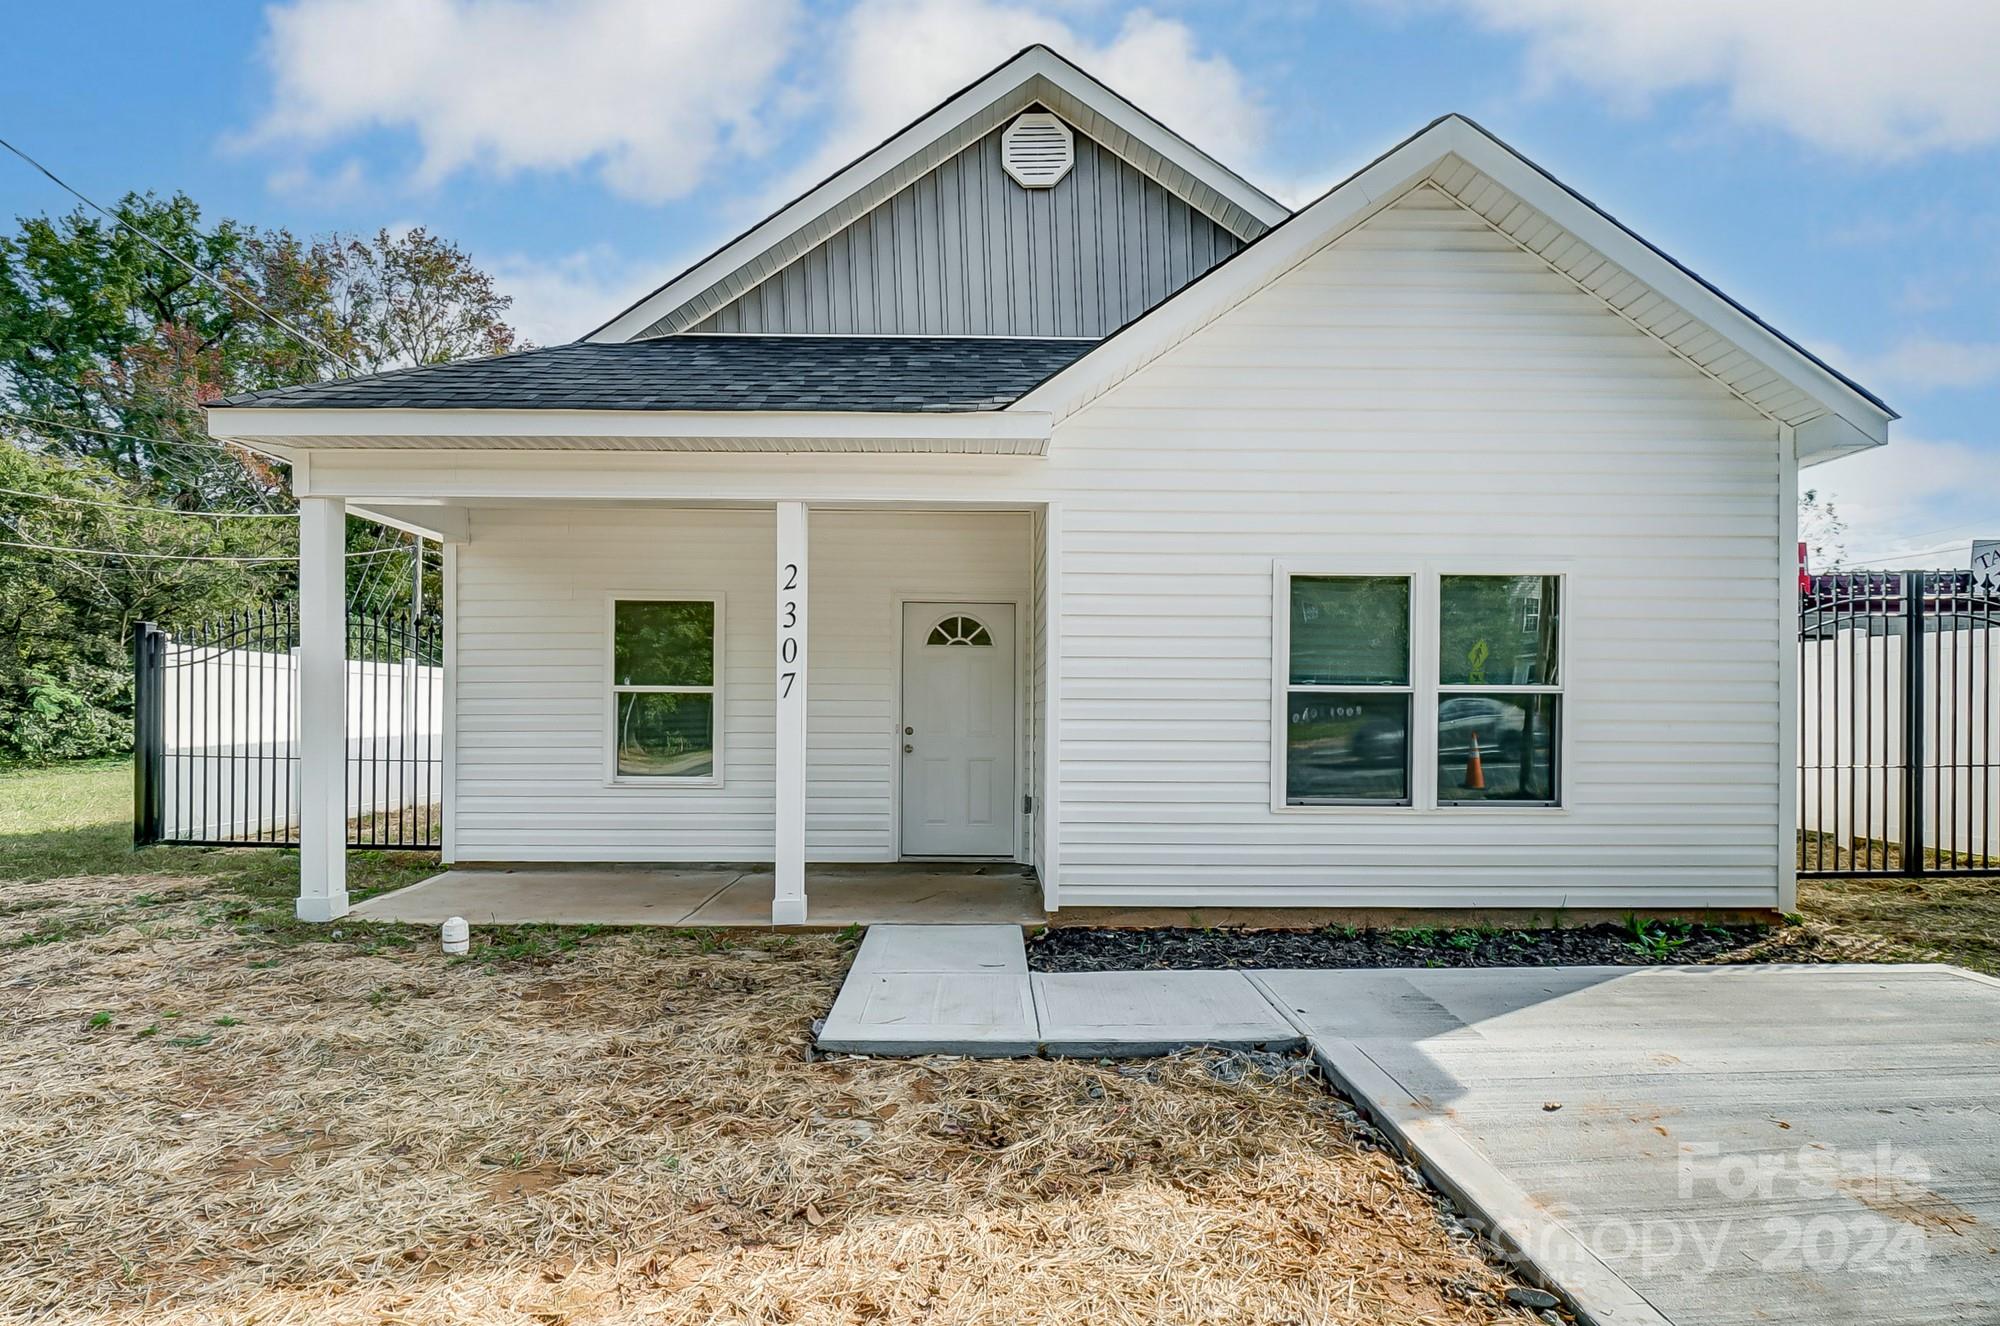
(216, 759)
(1899, 737)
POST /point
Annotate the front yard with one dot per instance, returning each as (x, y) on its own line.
(211, 1113)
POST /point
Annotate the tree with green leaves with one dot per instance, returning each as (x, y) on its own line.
(109, 345)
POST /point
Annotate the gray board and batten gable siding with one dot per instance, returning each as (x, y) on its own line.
(965, 251)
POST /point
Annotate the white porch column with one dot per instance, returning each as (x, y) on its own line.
(788, 901)
(321, 698)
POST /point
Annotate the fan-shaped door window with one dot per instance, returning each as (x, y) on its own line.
(958, 630)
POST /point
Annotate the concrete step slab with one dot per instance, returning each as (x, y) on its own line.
(982, 1014)
(1132, 1014)
(943, 948)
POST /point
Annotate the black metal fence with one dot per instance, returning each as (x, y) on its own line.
(216, 759)
(1899, 738)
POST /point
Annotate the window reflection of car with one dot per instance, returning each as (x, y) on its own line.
(1498, 727)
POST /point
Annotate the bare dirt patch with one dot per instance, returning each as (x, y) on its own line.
(199, 1124)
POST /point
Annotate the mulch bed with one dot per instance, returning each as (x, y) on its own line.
(1181, 948)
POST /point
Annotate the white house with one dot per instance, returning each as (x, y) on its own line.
(1037, 489)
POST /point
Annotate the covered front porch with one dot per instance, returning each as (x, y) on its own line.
(724, 896)
(850, 691)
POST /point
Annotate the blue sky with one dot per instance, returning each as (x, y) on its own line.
(1837, 172)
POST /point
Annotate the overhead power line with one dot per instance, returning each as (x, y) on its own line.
(1881, 558)
(160, 460)
(170, 557)
(207, 443)
(192, 270)
(156, 510)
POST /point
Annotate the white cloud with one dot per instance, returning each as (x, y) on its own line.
(559, 299)
(1914, 502)
(299, 182)
(895, 59)
(650, 94)
(1852, 76)
(1919, 364)
(1925, 363)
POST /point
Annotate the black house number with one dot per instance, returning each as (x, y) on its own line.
(788, 641)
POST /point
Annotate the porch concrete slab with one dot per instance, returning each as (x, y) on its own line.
(938, 949)
(983, 1014)
(886, 895)
(716, 895)
(1122, 1014)
(556, 895)
(1729, 1144)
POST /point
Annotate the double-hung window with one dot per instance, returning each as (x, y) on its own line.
(1366, 721)
(1499, 695)
(1347, 692)
(664, 694)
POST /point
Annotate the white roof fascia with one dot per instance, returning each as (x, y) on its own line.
(1031, 63)
(336, 428)
(1536, 188)
(1381, 182)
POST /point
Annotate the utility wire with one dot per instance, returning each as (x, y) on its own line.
(202, 444)
(206, 443)
(170, 557)
(156, 510)
(1886, 557)
(192, 270)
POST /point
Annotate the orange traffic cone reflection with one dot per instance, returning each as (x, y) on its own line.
(1475, 772)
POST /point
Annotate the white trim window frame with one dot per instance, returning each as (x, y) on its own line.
(1557, 618)
(1283, 688)
(613, 689)
(1425, 688)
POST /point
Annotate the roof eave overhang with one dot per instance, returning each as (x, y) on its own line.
(285, 432)
(1829, 437)
(1854, 421)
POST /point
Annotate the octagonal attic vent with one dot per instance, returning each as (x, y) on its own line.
(1037, 150)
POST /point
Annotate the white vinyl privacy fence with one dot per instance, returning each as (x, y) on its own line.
(217, 732)
(1899, 732)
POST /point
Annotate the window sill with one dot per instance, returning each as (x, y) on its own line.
(639, 784)
(1399, 812)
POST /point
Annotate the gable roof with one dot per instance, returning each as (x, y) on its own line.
(897, 374)
(1036, 76)
(1831, 413)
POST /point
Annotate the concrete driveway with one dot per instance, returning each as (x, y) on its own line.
(1692, 1145)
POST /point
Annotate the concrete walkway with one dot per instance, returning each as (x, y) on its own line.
(1666, 1146)
(723, 896)
(953, 989)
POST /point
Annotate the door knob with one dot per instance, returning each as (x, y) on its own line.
(908, 748)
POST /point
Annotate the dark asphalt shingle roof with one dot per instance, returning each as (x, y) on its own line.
(702, 372)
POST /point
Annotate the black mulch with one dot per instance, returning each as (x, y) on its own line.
(1187, 949)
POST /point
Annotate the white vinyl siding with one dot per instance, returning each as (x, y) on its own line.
(1420, 394)
(532, 634)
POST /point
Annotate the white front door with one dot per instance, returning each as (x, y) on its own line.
(957, 733)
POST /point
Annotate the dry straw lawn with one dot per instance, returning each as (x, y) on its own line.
(207, 1118)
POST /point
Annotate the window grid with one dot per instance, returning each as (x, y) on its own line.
(1426, 691)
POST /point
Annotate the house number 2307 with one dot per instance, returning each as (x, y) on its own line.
(788, 623)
